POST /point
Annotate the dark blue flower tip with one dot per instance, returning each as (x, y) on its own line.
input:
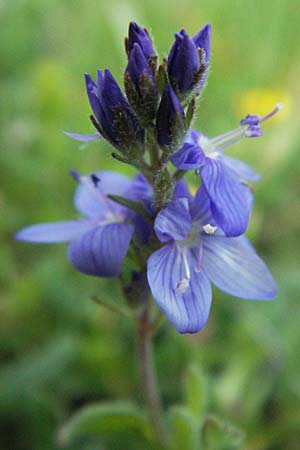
(137, 65)
(140, 36)
(183, 62)
(202, 40)
(170, 119)
(116, 120)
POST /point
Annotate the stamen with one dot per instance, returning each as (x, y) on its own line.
(277, 108)
(184, 283)
(209, 229)
(250, 127)
(199, 258)
(182, 286)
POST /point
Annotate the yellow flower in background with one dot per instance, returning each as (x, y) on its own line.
(261, 101)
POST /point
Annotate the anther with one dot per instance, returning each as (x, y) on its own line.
(209, 229)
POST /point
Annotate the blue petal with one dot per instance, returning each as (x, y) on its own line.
(188, 311)
(234, 267)
(83, 137)
(91, 89)
(53, 232)
(89, 199)
(188, 157)
(241, 169)
(201, 208)
(173, 221)
(101, 251)
(182, 190)
(229, 198)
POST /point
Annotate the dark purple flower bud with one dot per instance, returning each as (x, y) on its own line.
(202, 40)
(115, 119)
(138, 66)
(170, 120)
(140, 86)
(183, 62)
(140, 36)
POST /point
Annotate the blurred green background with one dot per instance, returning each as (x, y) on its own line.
(60, 351)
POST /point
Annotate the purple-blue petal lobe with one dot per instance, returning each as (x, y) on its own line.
(83, 137)
(242, 170)
(90, 200)
(137, 35)
(53, 232)
(91, 89)
(187, 310)
(173, 221)
(234, 267)
(101, 251)
(229, 198)
(202, 39)
(189, 157)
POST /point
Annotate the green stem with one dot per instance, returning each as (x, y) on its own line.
(148, 376)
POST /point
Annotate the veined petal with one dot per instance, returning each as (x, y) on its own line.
(89, 199)
(201, 207)
(54, 232)
(101, 251)
(189, 157)
(234, 267)
(182, 190)
(229, 198)
(188, 311)
(83, 137)
(173, 221)
(242, 170)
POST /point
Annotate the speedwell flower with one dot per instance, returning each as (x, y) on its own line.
(222, 176)
(98, 242)
(196, 253)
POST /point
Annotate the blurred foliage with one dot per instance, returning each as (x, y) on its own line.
(60, 351)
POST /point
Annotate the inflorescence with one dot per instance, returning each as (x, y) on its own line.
(180, 243)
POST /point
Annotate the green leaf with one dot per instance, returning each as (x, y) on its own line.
(106, 420)
(137, 207)
(185, 433)
(195, 391)
(217, 434)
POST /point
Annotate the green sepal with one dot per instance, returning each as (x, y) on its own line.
(164, 187)
(162, 76)
(190, 112)
(142, 100)
(135, 206)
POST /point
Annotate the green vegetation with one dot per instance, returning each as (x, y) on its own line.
(60, 350)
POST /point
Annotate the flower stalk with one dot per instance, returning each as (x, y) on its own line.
(148, 378)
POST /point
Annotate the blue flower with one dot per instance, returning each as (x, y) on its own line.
(98, 242)
(184, 60)
(223, 177)
(196, 253)
(140, 36)
(170, 119)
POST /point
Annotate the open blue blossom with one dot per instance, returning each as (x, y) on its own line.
(98, 242)
(195, 254)
(223, 176)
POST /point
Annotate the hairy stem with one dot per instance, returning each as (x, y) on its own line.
(148, 378)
